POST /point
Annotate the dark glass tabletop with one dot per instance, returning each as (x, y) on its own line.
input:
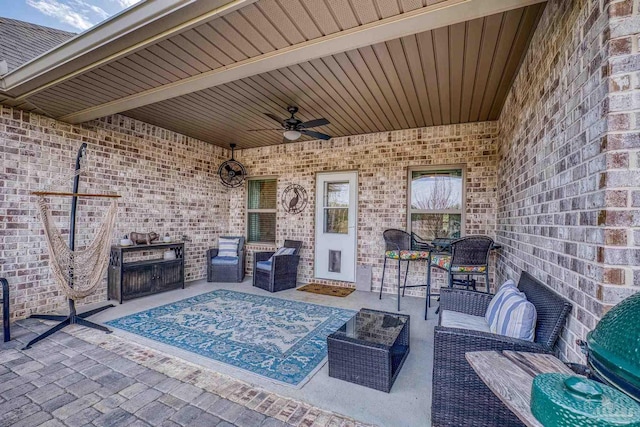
(373, 327)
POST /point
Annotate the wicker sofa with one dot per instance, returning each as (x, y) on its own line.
(459, 397)
(284, 269)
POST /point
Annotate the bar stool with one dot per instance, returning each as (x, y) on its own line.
(402, 246)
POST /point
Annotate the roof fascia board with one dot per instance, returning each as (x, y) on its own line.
(440, 15)
(135, 28)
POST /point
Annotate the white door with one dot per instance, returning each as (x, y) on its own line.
(336, 217)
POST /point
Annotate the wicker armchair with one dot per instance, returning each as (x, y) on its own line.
(283, 273)
(459, 397)
(226, 270)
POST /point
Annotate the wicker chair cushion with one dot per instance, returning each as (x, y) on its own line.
(444, 261)
(496, 302)
(455, 319)
(282, 251)
(264, 265)
(516, 318)
(228, 247)
(407, 255)
(224, 260)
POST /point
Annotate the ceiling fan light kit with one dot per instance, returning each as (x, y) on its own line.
(293, 128)
(292, 135)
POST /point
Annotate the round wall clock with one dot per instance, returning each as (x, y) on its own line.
(294, 199)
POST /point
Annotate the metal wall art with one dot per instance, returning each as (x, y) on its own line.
(294, 199)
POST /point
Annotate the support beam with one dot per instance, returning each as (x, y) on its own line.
(134, 29)
(440, 15)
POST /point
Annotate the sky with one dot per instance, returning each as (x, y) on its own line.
(75, 16)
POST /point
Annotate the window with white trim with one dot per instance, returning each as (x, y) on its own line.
(261, 210)
(437, 202)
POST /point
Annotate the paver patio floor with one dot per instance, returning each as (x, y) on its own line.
(79, 377)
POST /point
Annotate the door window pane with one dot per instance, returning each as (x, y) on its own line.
(336, 194)
(336, 220)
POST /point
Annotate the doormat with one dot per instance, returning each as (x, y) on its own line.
(285, 341)
(335, 291)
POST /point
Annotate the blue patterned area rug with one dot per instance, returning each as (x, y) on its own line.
(279, 339)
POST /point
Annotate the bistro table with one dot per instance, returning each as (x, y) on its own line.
(509, 375)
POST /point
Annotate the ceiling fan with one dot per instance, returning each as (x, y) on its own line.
(294, 128)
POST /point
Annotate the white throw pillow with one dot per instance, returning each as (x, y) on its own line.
(498, 298)
(516, 318)
(228, 247)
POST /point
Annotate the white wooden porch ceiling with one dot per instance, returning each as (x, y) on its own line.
(454, 74)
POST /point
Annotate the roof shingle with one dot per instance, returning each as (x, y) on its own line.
(22, 41)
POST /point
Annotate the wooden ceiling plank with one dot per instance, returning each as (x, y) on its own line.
(79, 89)
(510, 25)
(341, 105)
(396, 65)
(370, 58)
(387, 8)
(343, 84)
(492, 25)
(155, 115)
(457, 34)
(110, 85)
(356, 60)
(176, 64)
(450, 12)
(441, 46)
(410, 46)
(300, 17)
(216, 39)
(244, 26)
(322, 16)
(343, 13)
(409, 5)
(195, 51)
(343, 67)
(237, 38)
(129, 64)
(471, 55)
(280, 20)
(428, 60)
(263, 26)
(118, 73)
(152, 66)
(365, 11)
(522, 40)
(208, 48)
(263, 101)
(183, 55)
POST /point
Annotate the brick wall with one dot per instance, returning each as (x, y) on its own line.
(566, 164)
(382, 161)
(168, 182)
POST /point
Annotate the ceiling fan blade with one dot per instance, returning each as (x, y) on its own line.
(314, 134)
(274, 117)
(261, 130)
(314, 123)
(228, 168)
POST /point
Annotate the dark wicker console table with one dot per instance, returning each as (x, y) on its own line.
(370, 349)
(133, 279)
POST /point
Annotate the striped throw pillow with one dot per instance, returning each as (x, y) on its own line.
(283, 251)
(498, 298)
(516, 318)
(228, 247)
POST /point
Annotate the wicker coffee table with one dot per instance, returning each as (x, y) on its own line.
(370, 349)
